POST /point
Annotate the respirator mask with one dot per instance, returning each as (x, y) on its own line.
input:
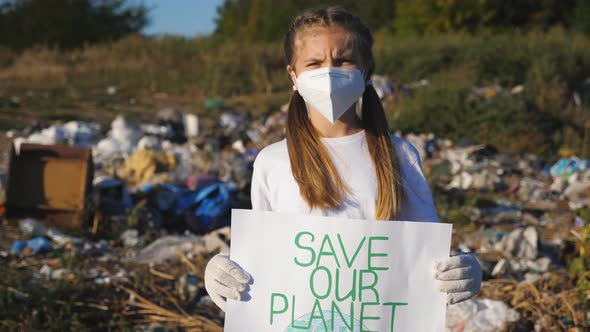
(332, 90)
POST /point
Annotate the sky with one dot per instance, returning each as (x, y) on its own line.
(187, 18)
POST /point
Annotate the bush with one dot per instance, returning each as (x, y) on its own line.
(548, 65)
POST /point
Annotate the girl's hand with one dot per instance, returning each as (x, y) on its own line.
(225, 279)
(459, 276)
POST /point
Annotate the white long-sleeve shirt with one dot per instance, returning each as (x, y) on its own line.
(275, 189)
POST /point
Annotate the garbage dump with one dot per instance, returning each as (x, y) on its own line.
(161, 193)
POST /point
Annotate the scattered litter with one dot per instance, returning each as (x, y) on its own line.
(479, 316)
(171, 184)
(130, 238)
(522, 243)
(169, 247)
(32, 227)
(187, 287)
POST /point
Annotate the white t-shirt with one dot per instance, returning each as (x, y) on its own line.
(275, 189)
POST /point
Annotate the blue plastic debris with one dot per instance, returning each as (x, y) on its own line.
(39, 245)
(18, 246)
(430, 147)
(212, 203)
(564, 168)
(201, 210)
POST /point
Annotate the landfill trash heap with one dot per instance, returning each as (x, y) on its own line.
(162, 194)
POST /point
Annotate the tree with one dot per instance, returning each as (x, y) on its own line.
(440, 16)
(268, 20)
(67, 23)
(579, 19)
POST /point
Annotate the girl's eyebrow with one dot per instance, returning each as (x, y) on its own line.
(345, 52)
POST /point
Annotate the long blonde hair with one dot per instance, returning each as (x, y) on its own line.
(319, 183)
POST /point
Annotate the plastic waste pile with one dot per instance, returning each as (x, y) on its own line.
(173, 150)
(163, 192)
(177, 173)
(527, 219)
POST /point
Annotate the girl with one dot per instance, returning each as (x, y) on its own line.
(338, 158)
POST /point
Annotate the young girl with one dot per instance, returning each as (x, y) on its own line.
(338, 158)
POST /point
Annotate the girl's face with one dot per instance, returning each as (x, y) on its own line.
(323, 47)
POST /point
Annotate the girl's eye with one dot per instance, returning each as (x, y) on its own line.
(312, 64)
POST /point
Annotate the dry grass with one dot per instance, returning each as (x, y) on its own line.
(36, 67)
(52, 85)
(546, 301)
(172, 65)
(150, 312)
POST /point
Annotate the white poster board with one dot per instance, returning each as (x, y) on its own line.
(315, 273)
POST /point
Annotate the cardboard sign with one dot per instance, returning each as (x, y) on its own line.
(315, 273)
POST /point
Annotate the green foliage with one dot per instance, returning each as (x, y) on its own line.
(544, 63)
(268, 20)
(504, 121)
(580, 19)
(67, 24)
(73, 23)
(583, 213)
(432, 16)
(579, 268)
(436, 16)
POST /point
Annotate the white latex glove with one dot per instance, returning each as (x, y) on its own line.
(459, 276)
(224, 279)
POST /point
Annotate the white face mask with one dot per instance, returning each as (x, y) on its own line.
(331, 90)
